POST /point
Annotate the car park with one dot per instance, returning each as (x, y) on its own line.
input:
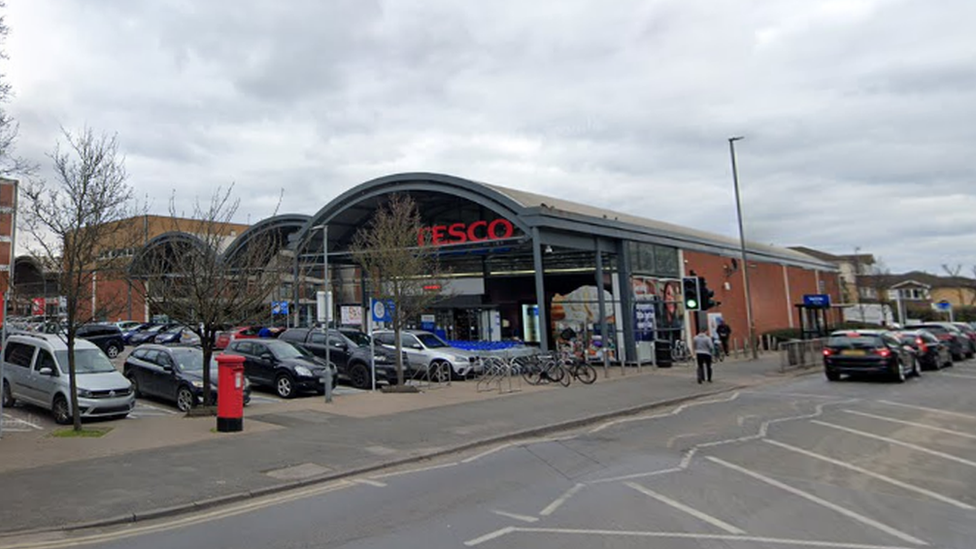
(288, 368)
(148, 335)
(172, 373)
(36, 372)
(126, 325)
(349, 350)
(241, 332)
(875, 352)
(959, 345)
(968, 331)
(127, 334)
(426, 350)
(176, 334)
(106, 337)
(930, 352)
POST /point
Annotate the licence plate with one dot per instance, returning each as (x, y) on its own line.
(853, 352)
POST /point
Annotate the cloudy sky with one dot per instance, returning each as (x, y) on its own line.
(859, 115)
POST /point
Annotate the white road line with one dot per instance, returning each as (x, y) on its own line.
(820, 501)
(557, 503)
(490, 536)
(927, 409)
(718, 523)
(487, 453)
(872, 474)
(523, 518)
(889, 440)
(687, 535)
(370, 482)
(17, 420)
(913, 424)
(674, 412)
(777, 393)
(150, 406)
(419, 470)
(638, 475)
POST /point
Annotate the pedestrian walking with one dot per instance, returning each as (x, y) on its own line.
(724, 331)
(704, 348)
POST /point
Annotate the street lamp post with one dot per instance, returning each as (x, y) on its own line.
(742, 249)
(327, 381)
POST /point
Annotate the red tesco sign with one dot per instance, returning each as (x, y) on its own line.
(459, 233)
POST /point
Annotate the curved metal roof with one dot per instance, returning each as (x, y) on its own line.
(285, 225)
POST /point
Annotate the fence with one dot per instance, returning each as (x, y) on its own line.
(797, 353)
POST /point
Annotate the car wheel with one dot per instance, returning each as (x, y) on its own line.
(113, 351)
(135, 384)
(916, 369)
(899, 373)
(284, 386)
(832, 376)
(439, 371)
(359, 376)
(8, 397)
(184, 399)
(60, 410)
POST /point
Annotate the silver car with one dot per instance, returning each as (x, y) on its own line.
(425, 349)
(35, 371)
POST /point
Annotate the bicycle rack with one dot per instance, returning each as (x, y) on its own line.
(495, 371)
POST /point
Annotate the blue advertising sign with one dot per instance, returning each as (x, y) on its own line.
(816, 301)
(279, 307)
(644, 321)
(382, 310)
(943, 305)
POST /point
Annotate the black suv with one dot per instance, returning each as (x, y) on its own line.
(868, 352)
(107, 337)
(289, 369)
(349, 351)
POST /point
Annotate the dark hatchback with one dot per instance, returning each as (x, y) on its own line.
(172, 373)
(930, 352)
(959, 345)
(349, 351)
(107, 337)
(874, 352)
(289, 369)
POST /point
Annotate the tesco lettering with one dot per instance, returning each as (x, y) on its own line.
(459, 233)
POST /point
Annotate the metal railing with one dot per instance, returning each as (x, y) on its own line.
(800, 353)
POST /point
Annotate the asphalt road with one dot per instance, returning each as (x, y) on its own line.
(806, 463)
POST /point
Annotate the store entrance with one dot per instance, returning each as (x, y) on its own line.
(469, 324)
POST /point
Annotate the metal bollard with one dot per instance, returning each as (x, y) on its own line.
(327, 381)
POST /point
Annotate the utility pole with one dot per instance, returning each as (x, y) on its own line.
(742, 247)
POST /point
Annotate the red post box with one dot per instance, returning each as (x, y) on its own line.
(230, 393)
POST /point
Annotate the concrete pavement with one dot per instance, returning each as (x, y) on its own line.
(161, 466)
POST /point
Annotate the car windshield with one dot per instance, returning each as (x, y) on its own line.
(855, 341)
(431, 341)
(190, 360)
(283, 350)
(937, 330)
(87, 361)
(358, 338)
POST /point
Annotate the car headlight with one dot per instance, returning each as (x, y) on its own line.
(84, 393)
(460, 359)
(383, 358)
(198, 384)
(303, 371)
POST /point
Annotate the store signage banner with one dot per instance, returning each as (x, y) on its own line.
(459, 233)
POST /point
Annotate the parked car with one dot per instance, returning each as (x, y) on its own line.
(426, 350)
(349, 354)
(106, 337)
(127, 334)
(241, 332)
(173, 373)
(959, 344)
(176, 335)
(147, 335)
(286, 367)
(36, 372)
(969, 332)
(868, 352)
(930, 352)
(126, 325)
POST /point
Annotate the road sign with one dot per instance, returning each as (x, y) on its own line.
(943, 305)
(382, 310)
(279, 307)
(816, 301)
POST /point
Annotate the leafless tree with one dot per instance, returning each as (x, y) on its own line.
(961, 283)
(76, 222)
(188, 278)
(399, 260)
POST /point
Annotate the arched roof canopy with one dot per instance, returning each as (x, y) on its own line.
(439, 197)
(277, 231)
(163, 248)
(28, 271)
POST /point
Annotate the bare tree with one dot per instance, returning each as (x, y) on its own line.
(399, 259)
(76, 222)
(960, 283)
(188, 278)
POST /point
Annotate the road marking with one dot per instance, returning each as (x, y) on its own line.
(371, 482)
(674, 412)
(419, 470)
(17, 420)
(234, 510)
(718, 523)
(912, 423)
(872, 474)
(926, 409)
(490, 536)
(140, 405)
(805, 395)
(638, 475)
(551, 508)
(487, 452)
(889, 440)
(820, 501)
(688, 535)
(523, 518)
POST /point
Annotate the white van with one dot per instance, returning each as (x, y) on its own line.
(35, 371)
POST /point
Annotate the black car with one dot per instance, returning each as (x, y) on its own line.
(172, 373)
(868, 352)
(957, 341)
(930, 352)
(127, 334)
(107, 337)
(349, 351)
(149, 334)
(288, 368)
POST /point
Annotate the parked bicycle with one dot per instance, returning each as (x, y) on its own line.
(543, 370)
(680, 351)
(582, 371)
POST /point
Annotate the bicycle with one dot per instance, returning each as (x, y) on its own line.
(582, 371)
(719, 355)
(680, 351)
(544, 370)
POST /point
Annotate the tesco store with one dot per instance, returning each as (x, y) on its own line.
(525, 267)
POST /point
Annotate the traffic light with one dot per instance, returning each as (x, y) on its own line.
(691, 293)
(706, 295)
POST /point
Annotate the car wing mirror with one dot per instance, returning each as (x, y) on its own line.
(46, 371)
(417, 346)
(267, 356)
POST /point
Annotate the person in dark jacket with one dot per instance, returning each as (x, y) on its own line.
(724, 332)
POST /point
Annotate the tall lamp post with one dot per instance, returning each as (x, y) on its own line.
(742, 249)
(327, 381)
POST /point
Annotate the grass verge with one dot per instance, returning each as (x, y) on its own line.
(85, 432)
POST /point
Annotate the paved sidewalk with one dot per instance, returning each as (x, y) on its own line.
(147, 468)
